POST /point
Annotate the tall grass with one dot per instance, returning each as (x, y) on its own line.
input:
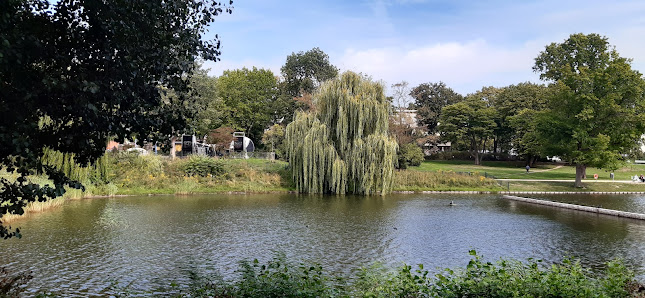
(440, 180)
(33, 207)
(185, 186)
(70, 194)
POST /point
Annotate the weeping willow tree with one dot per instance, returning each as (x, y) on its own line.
(343, 146)
(65, 162)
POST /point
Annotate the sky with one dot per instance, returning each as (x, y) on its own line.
(465, 44)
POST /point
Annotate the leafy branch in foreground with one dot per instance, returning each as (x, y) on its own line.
(76, 73)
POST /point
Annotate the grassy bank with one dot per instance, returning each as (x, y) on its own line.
(543, 171)
(158, 175)
(131, 174)
(413, 180)
(516, 170)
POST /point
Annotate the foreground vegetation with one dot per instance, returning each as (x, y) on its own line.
(505, 278)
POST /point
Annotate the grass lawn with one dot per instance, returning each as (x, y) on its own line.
(516, 170)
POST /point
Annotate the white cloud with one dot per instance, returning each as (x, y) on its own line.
(466, 44)
(465, 67)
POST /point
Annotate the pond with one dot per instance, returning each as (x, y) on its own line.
(86, 246)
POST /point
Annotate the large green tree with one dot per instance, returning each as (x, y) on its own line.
(303, 72)
(74, 74)
(596, 114)
(430, 98)
(206, 105)
(517, 107)
(470, 122)
(248, 96)
(343, 146)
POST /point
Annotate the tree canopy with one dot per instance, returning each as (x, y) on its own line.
(343, 146)
(517, 106)
(596, 113)
(305, 71)
(248, 95)
(430, 98)
(470, 122)
(74, 74)
(207, 108)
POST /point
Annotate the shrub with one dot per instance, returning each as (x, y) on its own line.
(136, 165)
(377, 281)
(531, 279)
(278, 278)
(450, 155)
(505, 278)
(203, 166)
(410, 155)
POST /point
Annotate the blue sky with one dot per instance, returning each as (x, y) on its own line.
(466, 44)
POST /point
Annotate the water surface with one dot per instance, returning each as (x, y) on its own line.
(85, 246)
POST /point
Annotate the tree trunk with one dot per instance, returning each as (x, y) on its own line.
(532, 161)
(580, 172)
(477, 161)
(584, 172)
(172, 147)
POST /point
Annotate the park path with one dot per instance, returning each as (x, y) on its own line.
(546, 170)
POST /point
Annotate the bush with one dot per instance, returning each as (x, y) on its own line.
(531, 279)
(465, 155)
(410, 155)
(203, 166)
(450, 155)
(505, 278)
(136, 165)
(278, 278)
(377, 281)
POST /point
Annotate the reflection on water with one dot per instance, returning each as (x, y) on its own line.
(82, 248)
